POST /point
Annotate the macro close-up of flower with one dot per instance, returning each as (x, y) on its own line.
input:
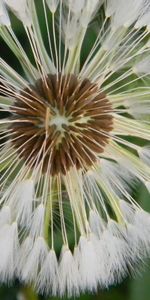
(74, 143)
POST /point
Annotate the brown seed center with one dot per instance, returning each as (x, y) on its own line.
(60, 123)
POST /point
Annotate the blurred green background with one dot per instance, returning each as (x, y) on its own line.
(137, 288)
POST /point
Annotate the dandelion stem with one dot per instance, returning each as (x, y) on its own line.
(49, 215)
(28, 293)
(47, 219)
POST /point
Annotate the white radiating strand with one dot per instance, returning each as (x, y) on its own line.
(9, 246)
(48, 278)
(42, 59)
(69, 279)
(11, 77)
(10, 38)
(135, 127)
(37, 222)
(4, 18)
(130, 98)
(34, 261)
(20, 8)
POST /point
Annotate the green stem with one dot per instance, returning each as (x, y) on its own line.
(47, 219)
(29, 293)
(49, 214)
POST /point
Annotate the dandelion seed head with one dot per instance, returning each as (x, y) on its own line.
(74, 142)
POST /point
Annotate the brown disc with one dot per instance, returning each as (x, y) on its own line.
(60, 123)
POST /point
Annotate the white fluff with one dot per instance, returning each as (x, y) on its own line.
(24, 252)
(133, 244)
(127, 210)
(126, 12)
(111, 7)
(117, 253)
(97, 224)
(34, 261)
(138, 230)
(120, 178)
(139, 110)
(137, 242)
(9, 246)
(102, 256)
(37, 222)
(23, 202)
(5, 216)
(4, 18)
(69, 279)
(110, 41)
(138, 237)
(76, 6)
(142, 225)
(142, 67)
(86, 258)
(20, 8)
(144, 154)
(144, 17)
(52, 4)
(89, 10)
(71, 32)
(47, 281)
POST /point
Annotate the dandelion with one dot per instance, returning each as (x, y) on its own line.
(74, 142)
